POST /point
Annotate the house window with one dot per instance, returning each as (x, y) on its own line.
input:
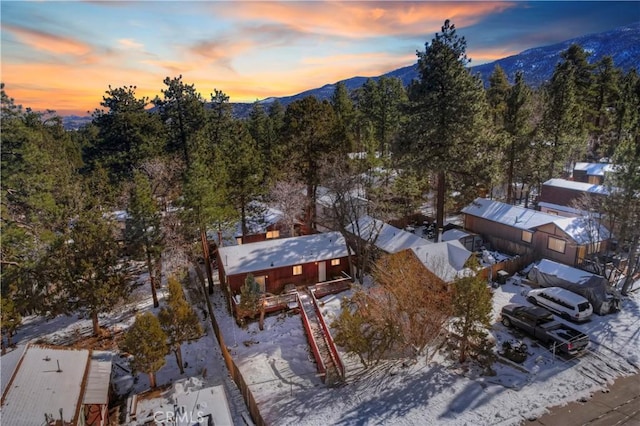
(527, 236)
(273, 234)
(335, 262)
(556, 244)
(553, 212)
(297, 270)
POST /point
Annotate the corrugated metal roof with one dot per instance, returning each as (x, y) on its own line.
(39, 388)
(594, 169)
(97, 387)
(280, 252)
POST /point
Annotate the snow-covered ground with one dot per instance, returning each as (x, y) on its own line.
(279, 368)
(282, 376)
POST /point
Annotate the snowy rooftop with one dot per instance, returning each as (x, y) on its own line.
(197, 402)
(454, 234)
(259, 220)
(390, 239)
(577, 186)
(594, 169)
(564, 272)
(270, 254)
(568, 209)
(507, 214)
(581, 230)
(39, 388)
(446, 259)
(97, 388)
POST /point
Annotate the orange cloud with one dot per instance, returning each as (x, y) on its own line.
(47, 42)
(362, 19)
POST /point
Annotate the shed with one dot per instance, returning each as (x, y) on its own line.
(385, 237)
(56, 383)
(446, 260)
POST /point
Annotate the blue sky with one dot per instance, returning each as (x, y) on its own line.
(64, 55)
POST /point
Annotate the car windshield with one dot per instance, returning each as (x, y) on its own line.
(583, 306)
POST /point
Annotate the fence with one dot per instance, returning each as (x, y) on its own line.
(231, 366)
(511, 266)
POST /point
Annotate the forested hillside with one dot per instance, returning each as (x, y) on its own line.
(190, 167)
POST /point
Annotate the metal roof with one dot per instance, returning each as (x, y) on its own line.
(97, 387)
(40, 388)
(517, 217)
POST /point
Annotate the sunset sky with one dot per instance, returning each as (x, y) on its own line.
(64, 55)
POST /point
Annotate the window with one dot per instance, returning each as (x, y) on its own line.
(297, 270)
(335, 262)
(553, 212)
(527, 236)
(273, 234)
(556, 244)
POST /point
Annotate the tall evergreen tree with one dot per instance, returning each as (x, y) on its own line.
(143, 232)
(178, 320)
(127, 133)
(87, 269)
(518, 125)
(244, 171)
(182, 111)
(448, 118)
(497, 94)
(345, 115)
(147, 342)
(310, 128)
(605, 95)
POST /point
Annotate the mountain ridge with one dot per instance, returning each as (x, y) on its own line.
(621, 43)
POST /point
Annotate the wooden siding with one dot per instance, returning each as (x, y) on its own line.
(562, 196)
(498, 234)
(277, 278)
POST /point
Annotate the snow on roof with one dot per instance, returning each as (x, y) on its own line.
(567, 209)
(390, 239)
(38, 388)
(577, 186)
(583, 230)
(594, 169)
(197, 403)
(454, 234)
(564, 272)
(260, 220)
(8, 364)
(97, 388)
(276, 253)
(515, 216)
(445, 259)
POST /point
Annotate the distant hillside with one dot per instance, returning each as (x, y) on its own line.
(622, 44)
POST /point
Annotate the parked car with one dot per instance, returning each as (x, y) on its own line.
(567, 304)
(539, 323)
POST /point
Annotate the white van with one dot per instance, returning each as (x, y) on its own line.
(568, 305)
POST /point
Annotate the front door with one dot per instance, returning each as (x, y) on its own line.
(322, 271)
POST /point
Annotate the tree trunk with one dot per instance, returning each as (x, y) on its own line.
(440, 204)
(207, 260)
(152, 379)
(178, 352)
(95, 323)
(152, 280)
(631, 266)
(512, 155)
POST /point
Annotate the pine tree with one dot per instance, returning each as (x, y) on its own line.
(517, 124)
(448, 119)
(87, 268)
(250, 298)
(11, 318)
(147, 342)
(472, 313)
(143, 233)
(178, 320)
(497, 94)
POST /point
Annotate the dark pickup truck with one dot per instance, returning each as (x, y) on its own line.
(539, 323)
